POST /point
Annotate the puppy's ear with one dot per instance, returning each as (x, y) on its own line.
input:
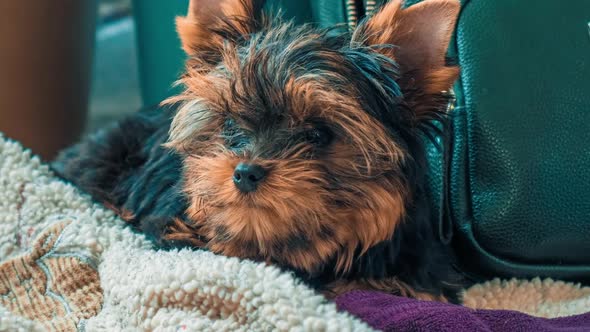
(211, 23)
(420, 36)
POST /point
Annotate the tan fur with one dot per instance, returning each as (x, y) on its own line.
(420, 35)
(294, 200)
(124, 214)
(290, 203)
(297, 217)
(195, 29)
(421, 32)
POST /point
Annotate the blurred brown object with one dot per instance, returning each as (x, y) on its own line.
(45, 68)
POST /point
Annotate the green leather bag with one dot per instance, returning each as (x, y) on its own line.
(514, 189)
(512, 185)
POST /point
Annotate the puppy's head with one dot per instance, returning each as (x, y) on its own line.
(299, 143)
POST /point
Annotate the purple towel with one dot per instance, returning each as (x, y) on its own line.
(391, 313)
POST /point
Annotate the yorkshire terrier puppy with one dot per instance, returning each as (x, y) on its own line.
(294, 145)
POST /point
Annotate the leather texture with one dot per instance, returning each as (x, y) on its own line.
(519, 166)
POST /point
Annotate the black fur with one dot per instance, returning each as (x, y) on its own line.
(127, 167)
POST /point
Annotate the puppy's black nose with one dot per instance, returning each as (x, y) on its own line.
(247, 177)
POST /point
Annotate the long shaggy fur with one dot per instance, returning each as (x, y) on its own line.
(335, 119)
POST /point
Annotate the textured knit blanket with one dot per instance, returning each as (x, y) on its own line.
(68, 264)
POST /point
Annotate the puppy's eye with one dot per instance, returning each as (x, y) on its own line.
(233, 136)
(319, 136)
(229, 127)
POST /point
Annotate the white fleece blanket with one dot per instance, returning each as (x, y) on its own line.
(68, 264)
